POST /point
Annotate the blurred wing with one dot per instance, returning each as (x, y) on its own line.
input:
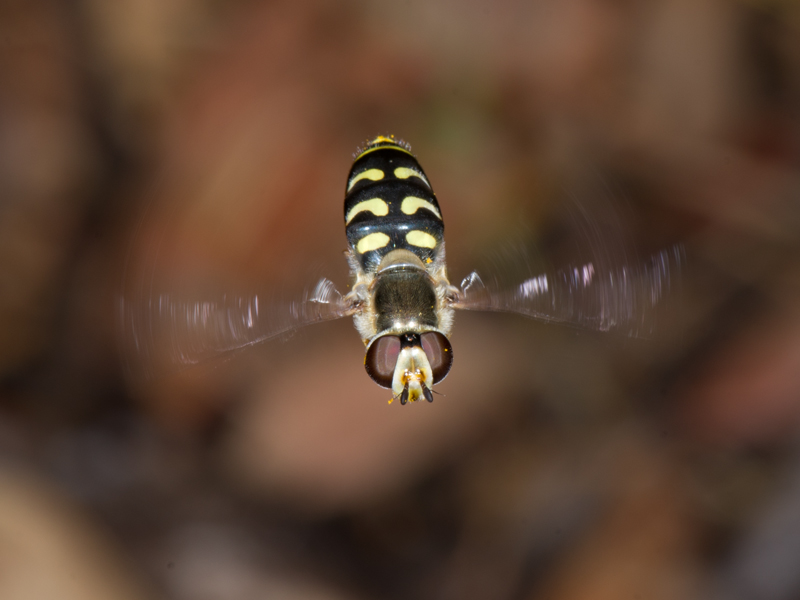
(169, 331)
(602, 294)
(583, 267)
(216, 265)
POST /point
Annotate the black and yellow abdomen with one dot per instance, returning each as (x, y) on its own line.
(390, 205)
(400, 292)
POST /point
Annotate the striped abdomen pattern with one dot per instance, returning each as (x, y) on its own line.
(390, 205)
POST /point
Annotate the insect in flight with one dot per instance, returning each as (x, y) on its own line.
(401, 299)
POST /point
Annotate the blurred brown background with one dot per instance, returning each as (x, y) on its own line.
(216, 136)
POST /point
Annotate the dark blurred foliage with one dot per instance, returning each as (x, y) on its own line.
(560, 464)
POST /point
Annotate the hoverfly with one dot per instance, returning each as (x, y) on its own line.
(400, 298)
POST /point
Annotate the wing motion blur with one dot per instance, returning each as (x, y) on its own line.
(164, 332)
(598, 294)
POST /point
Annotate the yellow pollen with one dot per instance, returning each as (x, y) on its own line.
(378, 140)
(382, 138)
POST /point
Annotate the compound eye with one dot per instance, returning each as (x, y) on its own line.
(439, 352)
(381, 359)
